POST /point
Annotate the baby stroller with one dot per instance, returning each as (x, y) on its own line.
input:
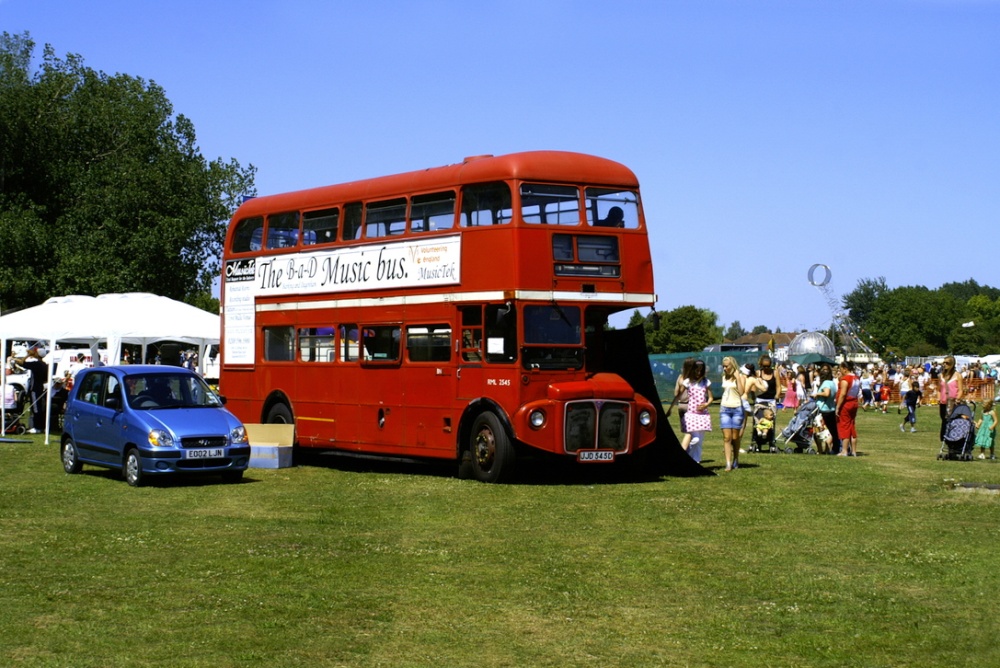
(12, 416)
(763, 428)
(800, 430)
(959, 433)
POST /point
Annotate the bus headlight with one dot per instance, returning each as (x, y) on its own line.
(645, 418)
(536, 419)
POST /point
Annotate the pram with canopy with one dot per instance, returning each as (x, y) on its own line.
(800, 429)
(959, 433)
(762, 438)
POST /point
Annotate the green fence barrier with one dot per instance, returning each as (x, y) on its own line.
(667, 367)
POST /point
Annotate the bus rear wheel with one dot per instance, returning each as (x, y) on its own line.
(279, 414)
(491, 451)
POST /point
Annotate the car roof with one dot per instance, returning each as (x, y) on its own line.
(143, 369)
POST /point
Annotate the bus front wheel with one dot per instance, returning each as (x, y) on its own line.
(491, 451)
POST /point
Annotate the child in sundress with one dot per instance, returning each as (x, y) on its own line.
(986, 430)
(697, 420)
(791, 399)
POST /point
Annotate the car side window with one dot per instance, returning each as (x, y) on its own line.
(113, 391)
(90, 390)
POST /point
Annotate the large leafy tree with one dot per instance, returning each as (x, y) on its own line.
(685, 329)
(860, 302)
(102, 186)
(915, 319)
(734, 331)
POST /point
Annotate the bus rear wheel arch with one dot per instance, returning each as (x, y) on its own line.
(491, 455)
(279, 413)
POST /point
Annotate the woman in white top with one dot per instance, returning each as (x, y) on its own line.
(731, 411)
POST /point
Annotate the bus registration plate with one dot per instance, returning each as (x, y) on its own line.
(595, 456)
(204, 453)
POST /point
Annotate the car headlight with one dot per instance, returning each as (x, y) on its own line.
(160, 438)
(645, 418)
(537, 419)
(238, 435)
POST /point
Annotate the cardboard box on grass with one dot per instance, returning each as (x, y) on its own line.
(270, 445)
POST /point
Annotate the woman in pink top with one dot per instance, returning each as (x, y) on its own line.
(951, 388)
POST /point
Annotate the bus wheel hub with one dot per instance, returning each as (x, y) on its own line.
(485, 448)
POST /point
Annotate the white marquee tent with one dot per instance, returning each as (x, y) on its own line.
(136, 318)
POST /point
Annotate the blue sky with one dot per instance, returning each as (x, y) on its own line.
(767, 135)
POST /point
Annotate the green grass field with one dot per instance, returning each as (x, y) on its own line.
(793, 560)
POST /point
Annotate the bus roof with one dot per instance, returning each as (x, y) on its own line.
(547, 166)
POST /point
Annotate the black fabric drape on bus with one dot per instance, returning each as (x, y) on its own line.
(625, 354)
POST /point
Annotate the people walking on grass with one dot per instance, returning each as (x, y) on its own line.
(848, 391)
(951, 389)
(680, 399)
(867, 381)
(826, 398)
(731, 411)
(769, 390)
(911, 400)
(697, 419)
(791, 392)
(986, 428)
(751, 385)
(803, 385)
(903, 382)
(884, 393)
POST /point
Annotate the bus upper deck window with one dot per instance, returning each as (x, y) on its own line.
(551, 205)
(320, 227)
(432, 212)
(247, 235)
(352, 222)
(384, 219)
(282, 230)
(608, 207)
(486, 204)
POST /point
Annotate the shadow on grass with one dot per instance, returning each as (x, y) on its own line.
(166, 480)
(531, 469)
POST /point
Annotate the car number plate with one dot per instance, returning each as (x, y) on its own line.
(204, 453)
(595, 456)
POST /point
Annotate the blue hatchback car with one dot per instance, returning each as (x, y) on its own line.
(151, 420)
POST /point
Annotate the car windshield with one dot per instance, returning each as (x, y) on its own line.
(167, 390)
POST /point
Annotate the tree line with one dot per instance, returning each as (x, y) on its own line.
(102, 186)
(957, 318)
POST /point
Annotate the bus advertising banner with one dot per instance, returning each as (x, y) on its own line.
(413, 263)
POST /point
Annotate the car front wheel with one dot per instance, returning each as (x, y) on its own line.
(70, 458)
(133, 468)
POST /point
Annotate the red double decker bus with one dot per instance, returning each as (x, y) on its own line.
(458, 312)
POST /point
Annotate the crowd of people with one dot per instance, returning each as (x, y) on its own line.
(756, 394)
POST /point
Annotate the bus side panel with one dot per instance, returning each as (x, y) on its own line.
(430, 423)
(371, 411)
(316, 421)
